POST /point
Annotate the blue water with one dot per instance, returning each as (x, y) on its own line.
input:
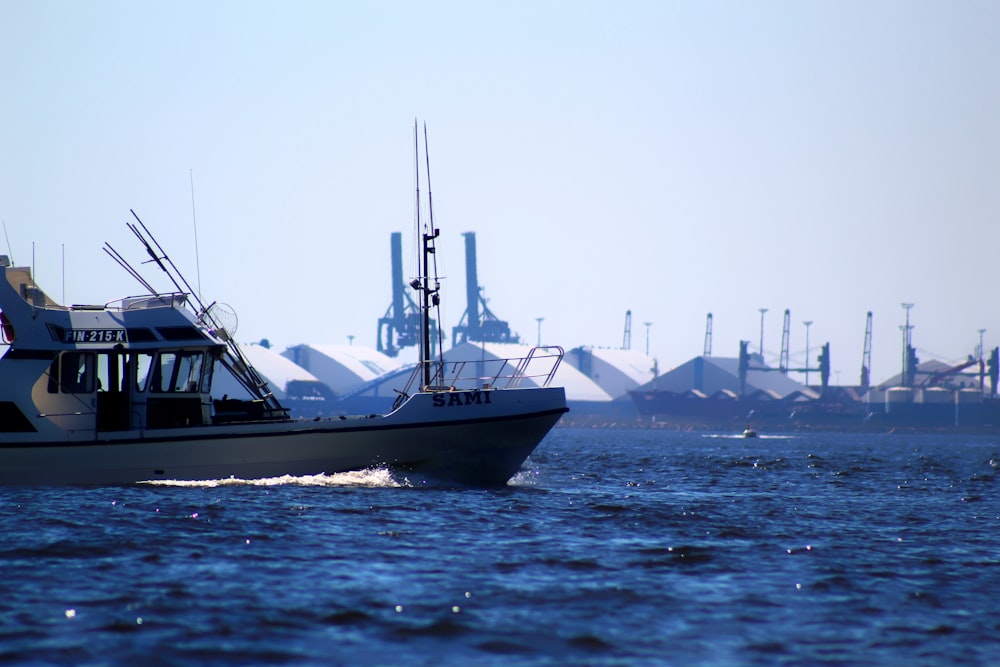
(615, 547)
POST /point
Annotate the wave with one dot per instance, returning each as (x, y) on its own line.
(740, 436)
(369, 478)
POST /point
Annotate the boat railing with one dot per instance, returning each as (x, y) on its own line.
(166, 300)
(538, 366)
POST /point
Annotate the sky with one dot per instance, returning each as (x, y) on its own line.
(671, 159)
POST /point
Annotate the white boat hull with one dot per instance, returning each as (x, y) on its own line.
(475, 438)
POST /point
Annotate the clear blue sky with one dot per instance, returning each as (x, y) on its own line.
(672, 158)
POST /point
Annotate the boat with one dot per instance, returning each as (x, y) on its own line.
(749, 433)
(122, 393)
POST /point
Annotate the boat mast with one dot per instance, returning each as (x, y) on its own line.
(436, 293)
(422, 283)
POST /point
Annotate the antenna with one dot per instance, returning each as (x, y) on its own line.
(194, 219)
(10, 250)
(420, 283)
(437, 284)
(416, 171)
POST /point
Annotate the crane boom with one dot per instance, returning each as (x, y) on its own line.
(866, 355)
(785, 335)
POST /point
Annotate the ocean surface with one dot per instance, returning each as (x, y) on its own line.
(613, 547)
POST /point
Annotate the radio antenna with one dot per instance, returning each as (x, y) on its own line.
(437, 285)
(10, 251)
(194, 219)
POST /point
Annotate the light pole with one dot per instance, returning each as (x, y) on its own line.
(649, 324)
(539, 320)
(982, 379)
(762, 311)
(808, 323)
(907, 380)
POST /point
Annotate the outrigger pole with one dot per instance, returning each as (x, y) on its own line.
(241, 368)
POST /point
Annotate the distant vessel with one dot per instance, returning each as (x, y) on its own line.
(123, 393)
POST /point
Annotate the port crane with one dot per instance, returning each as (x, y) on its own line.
(478, 323)
(823, 359)
(823, 368)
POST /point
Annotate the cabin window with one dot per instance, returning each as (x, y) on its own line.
(72, 373)
(109, 372)
(206, 377)
(143, 365)
(176, 372)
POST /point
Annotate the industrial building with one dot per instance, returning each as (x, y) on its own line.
(710, 376)
(729, 392)
(616, 371)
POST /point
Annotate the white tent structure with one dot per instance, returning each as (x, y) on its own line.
(616, 371)
(341, 367)
(279, 372)
(711, 375)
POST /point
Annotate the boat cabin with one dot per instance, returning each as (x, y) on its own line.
(159, 389)
(138, 363)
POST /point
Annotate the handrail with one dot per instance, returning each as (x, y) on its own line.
(451, 375)
(523, 367)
